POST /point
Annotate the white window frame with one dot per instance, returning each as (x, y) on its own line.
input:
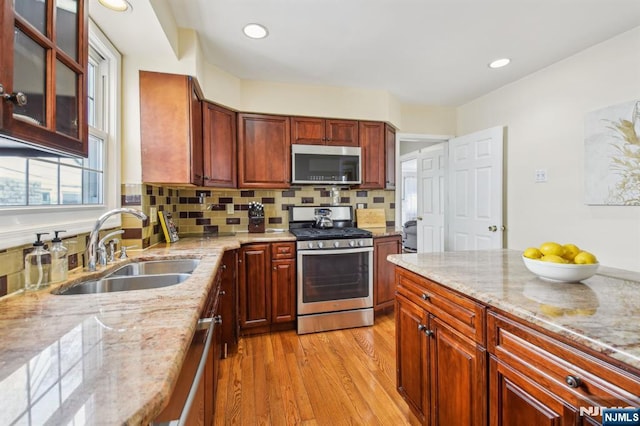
(19, 225)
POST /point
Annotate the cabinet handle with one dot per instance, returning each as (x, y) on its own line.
(573, 381)
(425, 296)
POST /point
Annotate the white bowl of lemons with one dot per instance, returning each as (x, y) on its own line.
(560, 263)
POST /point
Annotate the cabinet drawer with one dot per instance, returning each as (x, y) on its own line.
(461, 313)
(575, 376)
(283, 250)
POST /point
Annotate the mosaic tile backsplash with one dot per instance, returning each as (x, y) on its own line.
(195, 211)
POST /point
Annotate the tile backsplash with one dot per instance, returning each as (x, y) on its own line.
(196, 211)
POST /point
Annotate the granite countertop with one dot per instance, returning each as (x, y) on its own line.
(389, 231)
(109, 358)
(601, 313)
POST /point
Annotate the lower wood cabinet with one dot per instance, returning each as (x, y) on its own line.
(384, 285)
(228, 306)
(266, 273)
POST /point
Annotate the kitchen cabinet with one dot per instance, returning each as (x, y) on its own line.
(321, 131)
(43, 79)
(441, 359)
(372, 143)
(199, 356)
(229, 304)
(219, 139)
(390, 156)
(171, 129)
(264, 151)
(267, 287)
(384, 286)
(535, 379)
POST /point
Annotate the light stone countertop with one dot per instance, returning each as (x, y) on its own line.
(109, 358)
(601, 313)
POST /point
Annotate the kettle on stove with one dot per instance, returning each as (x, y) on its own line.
(323, 219)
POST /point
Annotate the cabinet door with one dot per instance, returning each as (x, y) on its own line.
(45, 57)
(516, 400)
(458, 377)
(411, 356)
(342, 132)
(384, 287)
(219, 142)
(229, 303)
(283, 290)
(255, 285)
(372, 144)
(170, 129)
(390, 156)
(307, 131)
(264, 151)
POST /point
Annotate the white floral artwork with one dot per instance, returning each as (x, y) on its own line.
(612, 155)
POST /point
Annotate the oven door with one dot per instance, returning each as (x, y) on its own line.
(335, 280)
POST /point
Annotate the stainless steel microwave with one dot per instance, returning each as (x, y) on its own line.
(321, 164)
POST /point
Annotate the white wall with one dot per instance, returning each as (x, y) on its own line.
(544, 114)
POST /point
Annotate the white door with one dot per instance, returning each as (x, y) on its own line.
(432, 166)
(475, 191)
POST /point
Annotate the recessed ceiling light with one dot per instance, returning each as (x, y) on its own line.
(499, 63)
(117, 5)
(255, 31)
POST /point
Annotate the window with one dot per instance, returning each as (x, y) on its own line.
(45, 193)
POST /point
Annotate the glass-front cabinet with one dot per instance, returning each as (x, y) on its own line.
(43, 65)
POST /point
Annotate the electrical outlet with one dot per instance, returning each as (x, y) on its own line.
(230, 209)
(541, 175)
(153, 215)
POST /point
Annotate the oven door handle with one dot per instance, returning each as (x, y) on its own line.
(335, 251)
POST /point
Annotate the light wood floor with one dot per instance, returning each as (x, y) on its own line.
(333, 378)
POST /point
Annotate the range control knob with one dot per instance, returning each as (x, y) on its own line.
(320, 244)
(336, 244)
(361, 243)
(352, 243)
(310, 244)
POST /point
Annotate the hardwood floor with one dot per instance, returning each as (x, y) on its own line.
(342, 377)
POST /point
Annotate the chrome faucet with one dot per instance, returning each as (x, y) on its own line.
(106, 255)
(92, 247)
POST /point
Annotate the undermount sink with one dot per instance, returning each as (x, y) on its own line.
(126, 283)
(155, 267)
(143, 275)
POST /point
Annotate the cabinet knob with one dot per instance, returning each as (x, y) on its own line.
(275, 268)
(573, 381)
(217, 319)
(425, 296)
(421, 327)
(224, 266)
(429, 333)
(222, 292)
(18, 98)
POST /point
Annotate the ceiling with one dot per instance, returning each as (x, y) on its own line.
(432, 52)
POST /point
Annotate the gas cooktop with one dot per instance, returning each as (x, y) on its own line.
(305, 234)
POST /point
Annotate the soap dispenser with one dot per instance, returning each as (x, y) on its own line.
(59, 262)
(36, 265)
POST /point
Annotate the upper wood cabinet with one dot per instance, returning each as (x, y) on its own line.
(264, 151)
(171, 129)
(321, 131)
(219, 140)
(390, 156)
(372, 143)
(43, 73)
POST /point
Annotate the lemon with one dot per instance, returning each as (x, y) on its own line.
(551, 248)
(554, 258)
(532, 253)
(570, 251)
(585, 258)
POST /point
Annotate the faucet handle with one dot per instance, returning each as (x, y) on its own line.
(123, 251)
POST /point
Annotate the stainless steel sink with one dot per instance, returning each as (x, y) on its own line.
(155, 267)
(125, 283)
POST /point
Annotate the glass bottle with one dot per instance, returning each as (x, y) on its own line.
(36, 265)
(59, 262)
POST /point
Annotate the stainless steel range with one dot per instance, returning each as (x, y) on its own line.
(334, 269)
